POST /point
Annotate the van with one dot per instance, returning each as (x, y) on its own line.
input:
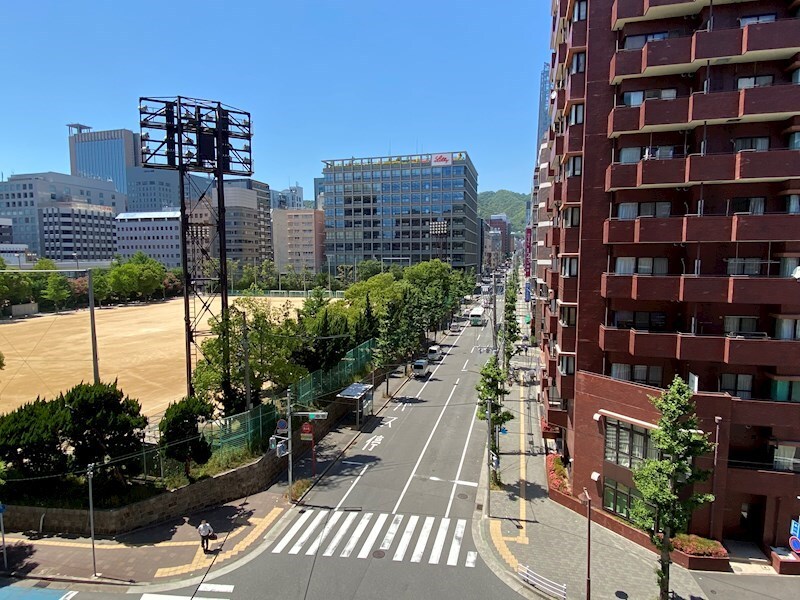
(455, 327)
(434, 353)
(420, 369)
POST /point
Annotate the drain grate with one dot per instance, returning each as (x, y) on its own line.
(462, 496)
(378, 554)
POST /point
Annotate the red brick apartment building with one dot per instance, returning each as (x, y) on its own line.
(669, 206)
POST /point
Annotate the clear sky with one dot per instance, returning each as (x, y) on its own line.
(321, 78)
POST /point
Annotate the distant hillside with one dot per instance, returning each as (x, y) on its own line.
(504, 201)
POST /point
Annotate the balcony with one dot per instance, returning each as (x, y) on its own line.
(551, 279)
(568, 290)
(577, 34)
(570, 240)
(576, 87)
(737, 289)
(770, 227)
(566, 337)
(556, 407)
(574, 140)
(773, 103)
(565, 384)
(572, 190)
(629, 11)
(747, 166)
(687, 346)
(553, 237)
(555, 194)
(779, 40)
(745, 479)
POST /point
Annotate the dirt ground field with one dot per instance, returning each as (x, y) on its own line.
(142, 346)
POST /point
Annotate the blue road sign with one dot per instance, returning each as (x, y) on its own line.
(2, 508)
(794, 543)
(794, 529)
(503, 431)
(283, 426)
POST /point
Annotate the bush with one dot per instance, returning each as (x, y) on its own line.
(179, 431)
(300, 487)
(224, 460)
(699, 546)
(557, 474)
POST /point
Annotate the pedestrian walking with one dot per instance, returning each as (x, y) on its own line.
(206, 533)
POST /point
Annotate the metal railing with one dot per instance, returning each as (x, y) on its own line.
(551, 588)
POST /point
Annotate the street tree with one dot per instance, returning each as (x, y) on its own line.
(368, 268)
(57, 290)
(180, 435)
(100, 287)
(491, 390)
(666, 483)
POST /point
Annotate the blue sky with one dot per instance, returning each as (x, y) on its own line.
(321, 78)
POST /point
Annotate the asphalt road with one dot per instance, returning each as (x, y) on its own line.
(392, 518)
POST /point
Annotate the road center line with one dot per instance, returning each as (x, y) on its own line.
(421, 454)
(441, 362)
(461, 463)
(350, 489)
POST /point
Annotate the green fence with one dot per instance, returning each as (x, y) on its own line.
(248, 429)
(320, 383)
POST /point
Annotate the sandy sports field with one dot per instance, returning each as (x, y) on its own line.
(142, 346)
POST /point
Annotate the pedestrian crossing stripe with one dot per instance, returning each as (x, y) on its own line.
(343, 533)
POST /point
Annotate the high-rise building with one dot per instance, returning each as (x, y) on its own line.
(673, 181)
(544, 104)
(156, 234)
(382, 208)
(103, 155)
(22, 196)
(319, 193)
(263, 199)
(291, 197)
(247, 221)
(154, 190)
(299, 239)
(503, 225)
(76, 230)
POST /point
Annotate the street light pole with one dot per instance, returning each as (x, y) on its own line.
(717, 421)
(90, 474)
(585, 497)
(289, 433)
(92, 328)
(77, 264)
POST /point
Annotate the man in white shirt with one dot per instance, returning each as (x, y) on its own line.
(205, 532)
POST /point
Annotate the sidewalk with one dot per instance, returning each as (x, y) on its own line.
(170, 551)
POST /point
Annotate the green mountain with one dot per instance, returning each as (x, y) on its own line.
(504, 201)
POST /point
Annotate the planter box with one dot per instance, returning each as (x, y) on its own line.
(784, 565)
(700, 563)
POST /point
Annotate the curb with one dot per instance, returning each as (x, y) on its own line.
(67, 579)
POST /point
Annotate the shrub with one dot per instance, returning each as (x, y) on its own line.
(179, 431)
(699, 546)
(557, 474)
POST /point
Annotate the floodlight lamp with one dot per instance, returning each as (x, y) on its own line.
(189, 154)
(146, 136)
(246, 147)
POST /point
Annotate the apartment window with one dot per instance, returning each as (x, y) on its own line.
(568, 315)
(745, 83)
(737, 385)
(632, 210)
(627, 445)
(578, 63)
(574, 166)
(566, 364)
(787, 458)
(576, 114)
(569, 266)
(785, 391)
(646, 374)
(579, 11)
(787, 329)
(735, 325)
(645, 265)
(641, 320)
(788, 265)
(571, 217)
(796, 76)
(634, 42)
(631, 155)
(744, 266)
(754, 19)
(753, 206)
(618, 498)
(751, 143)
(794, 140)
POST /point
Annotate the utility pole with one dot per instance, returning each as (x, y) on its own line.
(246, 348)
(92, 329)
(89, 475)
(289, 433)
(585, 497)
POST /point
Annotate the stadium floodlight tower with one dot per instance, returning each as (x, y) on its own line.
(202, 136)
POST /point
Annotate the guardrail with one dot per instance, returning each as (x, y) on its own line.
(551, 588)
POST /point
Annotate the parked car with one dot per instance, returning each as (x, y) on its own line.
(455, 328)
(434, 353)
(420, 369)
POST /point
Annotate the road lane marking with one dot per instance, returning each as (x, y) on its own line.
(326, 530)
(307, 533)
(352, 462)
(295, 528)
(387, 541)
(352, 485)
(466, 483)
(473, 350)
(215, 587)
(373, 535)
(472, 557)
(438, 543)
(455, 547)
(427, 443)
(406, 539)
(351, 543)
(419, 549)
(340, 534)
(466, 362)
(461, 464)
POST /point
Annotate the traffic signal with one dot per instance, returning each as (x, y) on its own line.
(273, 442)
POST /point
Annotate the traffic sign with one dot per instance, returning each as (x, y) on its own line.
(794, 543)
(306, 432)
(2, 508)
(317, 416)
(282, 427)
(794, 529)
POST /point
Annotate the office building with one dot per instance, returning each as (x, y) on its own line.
(103, 155)
(156, 234)
(501, 223)
(21, 196)
(291, 197)
(382, 208)
(299, 238)
(154, 190)
(545, 87)
(247, 222)
(76, 230)
(263, 198)
(319, 193)
(674, 189)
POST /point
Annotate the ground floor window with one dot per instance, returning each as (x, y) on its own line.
(618, 498)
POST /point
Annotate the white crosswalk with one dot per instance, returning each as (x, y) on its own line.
(312, 529)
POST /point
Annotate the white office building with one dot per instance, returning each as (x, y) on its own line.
(156, 234)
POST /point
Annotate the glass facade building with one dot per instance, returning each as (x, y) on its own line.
(382, 208)
(104, 155)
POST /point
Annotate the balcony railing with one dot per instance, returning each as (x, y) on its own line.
(778, 463)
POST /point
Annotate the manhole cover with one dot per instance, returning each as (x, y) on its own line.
(462, 496)
(378, 554)
(479, 506)
(41, 584)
